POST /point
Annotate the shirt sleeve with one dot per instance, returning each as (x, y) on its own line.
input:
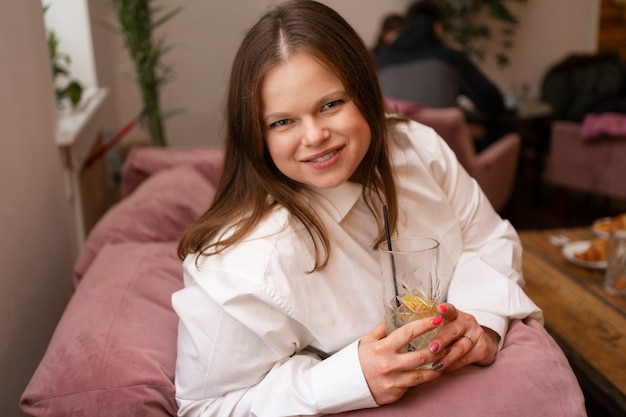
(487, 283)
(241, 355)
(487, 279)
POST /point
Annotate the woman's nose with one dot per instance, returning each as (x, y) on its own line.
(314, 133)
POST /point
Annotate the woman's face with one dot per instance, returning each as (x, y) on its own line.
(314, 132)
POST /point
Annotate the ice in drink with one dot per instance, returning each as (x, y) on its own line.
(412, 306)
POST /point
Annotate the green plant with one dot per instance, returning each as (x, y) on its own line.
(472, 23)
(65, 87)
(137, 21)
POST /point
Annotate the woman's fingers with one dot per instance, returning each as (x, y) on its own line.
(483, 352)
(389, 372)
(405, 334)
(456, 325)
(448, 311)
(462, 340)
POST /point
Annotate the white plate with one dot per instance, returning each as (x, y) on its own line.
(572, 248)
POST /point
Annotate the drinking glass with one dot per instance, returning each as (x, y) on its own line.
(615, 276)
(410, 284)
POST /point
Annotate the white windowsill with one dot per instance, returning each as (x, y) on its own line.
(77, 134)
(78, 131)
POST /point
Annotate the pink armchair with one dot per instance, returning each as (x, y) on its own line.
(494, 168)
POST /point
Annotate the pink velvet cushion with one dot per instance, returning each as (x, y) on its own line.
(603, 125)
(530, 377)
(160, 209)
(143, 162)
(113, 352)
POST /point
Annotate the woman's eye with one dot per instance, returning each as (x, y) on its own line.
(279, 123)
(332, 104)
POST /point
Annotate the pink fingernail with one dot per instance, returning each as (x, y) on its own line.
(433, 347)
(443, 308)
(436, 320)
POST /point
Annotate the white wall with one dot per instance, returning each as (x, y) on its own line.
(37, 247)
(206, 34)
(549, 30)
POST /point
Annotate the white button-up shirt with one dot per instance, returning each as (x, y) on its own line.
(260, 336)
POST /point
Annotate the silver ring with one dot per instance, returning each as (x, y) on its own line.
(469, 338)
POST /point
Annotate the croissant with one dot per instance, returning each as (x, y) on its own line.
(613, 223)
(618, 222)
(596, 252)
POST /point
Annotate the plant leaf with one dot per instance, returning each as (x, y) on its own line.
(167, 17)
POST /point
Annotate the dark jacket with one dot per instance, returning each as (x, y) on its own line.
(420, 68)
(582, 84)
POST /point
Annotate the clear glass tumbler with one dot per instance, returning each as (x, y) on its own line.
(615, 276)
(410, 284)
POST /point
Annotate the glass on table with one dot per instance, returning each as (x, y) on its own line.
(615, 276)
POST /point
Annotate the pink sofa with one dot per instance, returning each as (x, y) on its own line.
(113, 351)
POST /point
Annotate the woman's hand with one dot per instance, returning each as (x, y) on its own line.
(390, 373)
(463, 341)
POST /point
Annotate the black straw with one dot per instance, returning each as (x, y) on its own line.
(393, 262)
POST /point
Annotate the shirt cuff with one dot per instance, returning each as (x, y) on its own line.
(339, 384)
(496, 323)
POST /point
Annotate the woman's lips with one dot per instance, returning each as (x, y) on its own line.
(324, 157)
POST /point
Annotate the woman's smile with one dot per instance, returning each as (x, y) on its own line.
(325, 157)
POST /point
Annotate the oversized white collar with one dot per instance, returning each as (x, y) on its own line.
(337, 201)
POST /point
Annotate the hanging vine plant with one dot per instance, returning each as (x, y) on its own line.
(137, 21)
(473, 23)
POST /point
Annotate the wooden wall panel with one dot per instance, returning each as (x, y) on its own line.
(612, 27)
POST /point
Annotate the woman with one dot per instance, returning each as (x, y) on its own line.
(282, 307)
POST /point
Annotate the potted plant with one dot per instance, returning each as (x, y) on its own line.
(137, 21)
(472, 23)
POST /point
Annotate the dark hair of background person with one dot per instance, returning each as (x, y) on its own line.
(391, 24)
(424, 9)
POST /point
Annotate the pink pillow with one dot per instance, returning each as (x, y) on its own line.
(113, 352)
(603, 125)
(159, 210)
(142, 162)
(530, 377)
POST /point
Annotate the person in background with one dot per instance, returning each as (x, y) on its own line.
(391, 27)
(420, 67)
(281, 313)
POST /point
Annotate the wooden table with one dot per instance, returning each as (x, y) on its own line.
(588, 323)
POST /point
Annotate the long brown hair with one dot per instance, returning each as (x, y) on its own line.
(251, 185)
